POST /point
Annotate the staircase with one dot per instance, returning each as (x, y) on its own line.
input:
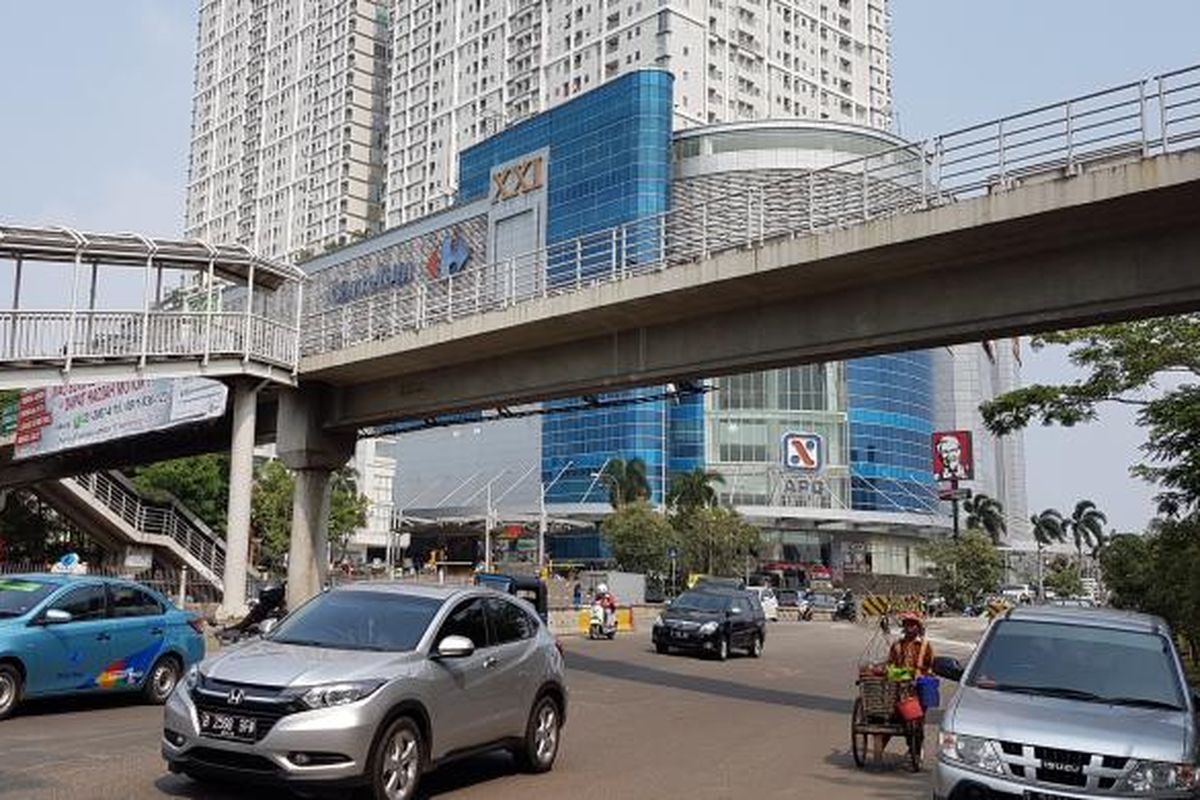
(109, 506)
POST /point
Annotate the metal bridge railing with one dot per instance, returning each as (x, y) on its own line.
(158, 519)
(1136, 120)
(98, 335)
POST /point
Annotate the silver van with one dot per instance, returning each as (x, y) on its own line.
(1067, 703)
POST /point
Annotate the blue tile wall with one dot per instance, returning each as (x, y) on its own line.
(891, 419)
(609, 164)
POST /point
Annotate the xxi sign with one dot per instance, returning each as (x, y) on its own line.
(517, 179)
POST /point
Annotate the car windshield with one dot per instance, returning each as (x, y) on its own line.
(359, 620)
(700, 601)
(1079, 662)
(19, 595)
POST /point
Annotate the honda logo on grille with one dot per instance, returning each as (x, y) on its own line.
(235, 697)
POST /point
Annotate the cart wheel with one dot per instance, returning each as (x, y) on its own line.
(858, 741)
(916, 744)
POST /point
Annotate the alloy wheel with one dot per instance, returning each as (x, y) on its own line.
(545, 734)
(400, 765)
(8, 692)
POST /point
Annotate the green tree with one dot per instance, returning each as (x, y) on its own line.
(347, 510)
(1126, 562)
(693, 490)
(717, 541)
(1121, 362)
(1047, 530)
(627, 482)
(640, 538)
(986, 514)
(271, 511)
(201, 483)
(1063, 578)
(966, 569)
(1085, 527)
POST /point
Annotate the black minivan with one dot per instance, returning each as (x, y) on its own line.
(713, 621)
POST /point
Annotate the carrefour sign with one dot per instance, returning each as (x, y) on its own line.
(448, 258)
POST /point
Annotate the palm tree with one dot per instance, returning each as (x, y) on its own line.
(695, 489)
(986, 514)
(626, 481)
(1048, 528)
(1086, 527)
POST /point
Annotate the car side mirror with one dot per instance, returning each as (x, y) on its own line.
(56, 616)
(455, 647)
(949, 668)
(267, 625)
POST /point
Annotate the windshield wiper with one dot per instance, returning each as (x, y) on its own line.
(1049, 691)
(1142, 702)
(301, 642)
(6, 613)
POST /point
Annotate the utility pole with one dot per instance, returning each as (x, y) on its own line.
(543, 522)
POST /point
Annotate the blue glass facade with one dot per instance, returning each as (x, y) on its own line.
(891, 420)
(609, 163)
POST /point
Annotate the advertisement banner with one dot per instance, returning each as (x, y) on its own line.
(953, 457)
(67, 417)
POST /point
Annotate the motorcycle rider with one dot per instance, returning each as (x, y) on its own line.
(606, 600)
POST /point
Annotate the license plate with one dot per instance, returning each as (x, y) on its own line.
(679, 634)
(1044, 796)
(228, 726)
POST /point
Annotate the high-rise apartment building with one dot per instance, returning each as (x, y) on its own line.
(315, 121)
(288, 123)
(464, 69)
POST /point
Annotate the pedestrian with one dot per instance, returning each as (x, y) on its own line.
(577, 595)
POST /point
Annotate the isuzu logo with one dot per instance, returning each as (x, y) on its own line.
(235, 697)
(1059, 766)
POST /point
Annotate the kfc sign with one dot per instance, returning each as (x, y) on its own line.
(517, 179)
(953, 456)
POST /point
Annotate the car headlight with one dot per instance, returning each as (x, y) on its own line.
(1157, 776)
(708, 628)
(191, 678)
(973, 751)
(338, 694)
(658, 621)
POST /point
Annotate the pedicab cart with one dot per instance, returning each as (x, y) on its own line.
(891, 702)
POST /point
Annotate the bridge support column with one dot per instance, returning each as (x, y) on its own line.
(241, 480)
(313, 454)
(308, 551)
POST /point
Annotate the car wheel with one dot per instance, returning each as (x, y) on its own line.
(722, 648)
(540, 747)
(398, 761)
(10, 689)
(756, 646)
(162, 680)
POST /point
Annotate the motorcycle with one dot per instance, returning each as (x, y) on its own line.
(804, 609)
(602, 625)
(270, 607)
(846, 609)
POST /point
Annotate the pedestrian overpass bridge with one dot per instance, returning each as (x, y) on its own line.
(1073, 213)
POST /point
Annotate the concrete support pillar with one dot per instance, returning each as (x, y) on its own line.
(308, 554)
(241, 480)
(313, 453)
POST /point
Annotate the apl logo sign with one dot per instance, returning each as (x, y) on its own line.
(803, 451)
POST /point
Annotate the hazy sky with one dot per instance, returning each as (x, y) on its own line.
(96, 104)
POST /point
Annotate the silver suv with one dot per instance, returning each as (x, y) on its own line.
(1065, 703)
(373, 685)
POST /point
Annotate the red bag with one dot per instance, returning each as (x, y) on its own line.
(909, 709)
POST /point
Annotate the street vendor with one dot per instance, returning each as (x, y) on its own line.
(912, 650)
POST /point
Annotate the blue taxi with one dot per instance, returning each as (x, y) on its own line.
(66, 634)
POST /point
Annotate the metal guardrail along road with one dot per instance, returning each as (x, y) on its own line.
(1141, 119)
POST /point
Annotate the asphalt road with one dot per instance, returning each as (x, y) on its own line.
(640, 725)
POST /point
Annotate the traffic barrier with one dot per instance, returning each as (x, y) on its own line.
(997, 607)
(874, 605)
